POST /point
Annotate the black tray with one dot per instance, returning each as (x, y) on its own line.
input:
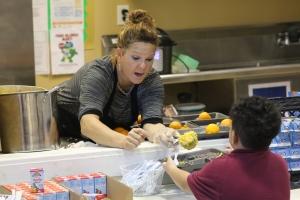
(192, 161)
(295, 179)
(199, 128)
(216, 117)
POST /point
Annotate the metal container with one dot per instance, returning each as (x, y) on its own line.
(27, 122)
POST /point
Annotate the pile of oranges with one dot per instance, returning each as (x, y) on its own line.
(211, 128)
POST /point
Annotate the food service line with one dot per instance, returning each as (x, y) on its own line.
(15, 167)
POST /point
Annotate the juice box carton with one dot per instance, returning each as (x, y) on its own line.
(75, 183)
(61, 192)
(87, 183)
(295, 153)
(33, 196)
(37, 179)
(100, 183)
(294, 165)
(63, 180)
(94, 196)
(49, 194)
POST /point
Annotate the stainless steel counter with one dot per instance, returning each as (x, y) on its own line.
(237, 73)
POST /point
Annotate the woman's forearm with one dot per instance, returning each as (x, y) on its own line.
(94, 129)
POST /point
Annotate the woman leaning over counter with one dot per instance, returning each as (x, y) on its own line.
(111, 92)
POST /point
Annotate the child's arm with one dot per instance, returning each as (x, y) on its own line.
(179, 176)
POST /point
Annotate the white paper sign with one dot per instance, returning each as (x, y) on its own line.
(67, 50)
(41, 37)
(67, 13)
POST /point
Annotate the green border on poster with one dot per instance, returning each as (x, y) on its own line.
(84, 17)
(49, 14)
(85, 35)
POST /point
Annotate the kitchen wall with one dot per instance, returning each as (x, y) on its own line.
(181, 14)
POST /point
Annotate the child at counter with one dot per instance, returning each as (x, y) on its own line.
(251, 171)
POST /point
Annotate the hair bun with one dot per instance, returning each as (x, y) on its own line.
(140, 16)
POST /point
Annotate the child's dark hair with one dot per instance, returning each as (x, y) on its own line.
(256, 121)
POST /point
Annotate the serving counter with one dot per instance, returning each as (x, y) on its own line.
(15, 167)
(90, 158)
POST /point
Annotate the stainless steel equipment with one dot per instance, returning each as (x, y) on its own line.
(27, 122)
(16, 43)
(240, 46)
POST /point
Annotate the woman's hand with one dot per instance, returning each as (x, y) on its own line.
(165, 135)
(134, 138)
(160, 134)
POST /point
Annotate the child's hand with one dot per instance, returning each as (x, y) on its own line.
(169, 164)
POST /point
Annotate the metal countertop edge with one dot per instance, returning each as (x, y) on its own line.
(237, 73)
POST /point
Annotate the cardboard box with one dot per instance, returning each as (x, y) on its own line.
(115, 191)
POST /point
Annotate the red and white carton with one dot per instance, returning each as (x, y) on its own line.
(87, 183)
(63, 180)
(100, 183)
(94, 196)
(37, 179)
(61, 192)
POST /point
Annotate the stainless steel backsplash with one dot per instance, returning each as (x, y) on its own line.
(243, 46)
(16, 42)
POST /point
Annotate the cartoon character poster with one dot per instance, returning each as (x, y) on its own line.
(67, 50)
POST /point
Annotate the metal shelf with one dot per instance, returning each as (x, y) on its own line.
(237, 73)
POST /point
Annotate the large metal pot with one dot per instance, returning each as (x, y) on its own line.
(27, 122)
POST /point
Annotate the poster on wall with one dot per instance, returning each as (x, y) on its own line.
(67, 13)
(58, 36)
(41, 37)
(67, 51)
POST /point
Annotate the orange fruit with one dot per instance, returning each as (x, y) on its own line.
(185, 127)
(226, 122)
(175, 125)
(212, 129)
(121, 130)
(204, 116)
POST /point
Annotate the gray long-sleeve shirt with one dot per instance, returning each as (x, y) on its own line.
(91, 87)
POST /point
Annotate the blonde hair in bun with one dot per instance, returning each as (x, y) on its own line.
(139, 27)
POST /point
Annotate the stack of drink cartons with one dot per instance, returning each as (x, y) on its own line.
(90, 185)
(287, 142)
(51, 191)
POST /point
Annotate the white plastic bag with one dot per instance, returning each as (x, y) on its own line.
(144, 178)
